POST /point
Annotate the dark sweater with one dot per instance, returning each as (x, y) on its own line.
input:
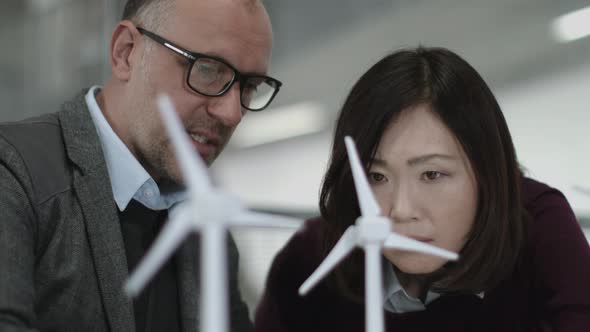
(157, 306)
(552, 293)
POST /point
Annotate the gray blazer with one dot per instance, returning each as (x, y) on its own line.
(62, 258)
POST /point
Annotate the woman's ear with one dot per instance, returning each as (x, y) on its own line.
(123, 50)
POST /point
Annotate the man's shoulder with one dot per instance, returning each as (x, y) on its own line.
(20, 133)
(34, 152)
(44, 130)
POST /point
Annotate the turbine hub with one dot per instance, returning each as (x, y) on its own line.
(215, 206)
(373, 229)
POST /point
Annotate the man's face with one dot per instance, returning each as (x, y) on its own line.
(223, 28)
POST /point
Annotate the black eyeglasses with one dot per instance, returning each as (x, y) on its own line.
(213, 77)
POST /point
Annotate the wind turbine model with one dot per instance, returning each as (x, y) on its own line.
(372, 232)
(208, 211)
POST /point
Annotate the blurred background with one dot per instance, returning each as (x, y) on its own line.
(534, 54)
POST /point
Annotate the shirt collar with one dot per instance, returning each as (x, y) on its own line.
(129, 180)
(397, 300)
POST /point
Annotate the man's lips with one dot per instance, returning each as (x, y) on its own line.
(205, 143)
(204, 137)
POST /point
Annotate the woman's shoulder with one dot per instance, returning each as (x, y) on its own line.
(559, 247)
(555, 234)
(303, 250)
(559, 256)
(537, 195)
(281, 308)
(548, 208)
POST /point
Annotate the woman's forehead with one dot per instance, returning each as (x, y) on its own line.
(418, 130)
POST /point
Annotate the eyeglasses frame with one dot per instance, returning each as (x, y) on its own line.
(192, 58)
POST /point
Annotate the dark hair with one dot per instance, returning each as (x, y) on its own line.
(462, 100)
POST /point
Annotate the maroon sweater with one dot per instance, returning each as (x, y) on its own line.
(552, 293)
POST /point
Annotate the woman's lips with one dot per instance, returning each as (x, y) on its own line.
(420, 238)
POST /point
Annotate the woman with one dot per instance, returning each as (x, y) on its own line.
(441, 163)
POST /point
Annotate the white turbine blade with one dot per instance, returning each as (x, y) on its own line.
(373, 289)
(367, 201)
(191, 165)
(396, 241)
(214, 281)
(342, 248)
(169, 239)
(267, 220)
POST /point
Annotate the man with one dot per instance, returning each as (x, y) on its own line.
(85, 190)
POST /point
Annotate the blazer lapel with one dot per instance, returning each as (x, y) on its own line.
(93, 188)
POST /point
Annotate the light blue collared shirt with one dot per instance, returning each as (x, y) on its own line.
(129, 180)
(397, 300)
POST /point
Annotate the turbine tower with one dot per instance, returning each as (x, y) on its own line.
(208, 211)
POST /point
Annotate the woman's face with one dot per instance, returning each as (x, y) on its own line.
(423, 180)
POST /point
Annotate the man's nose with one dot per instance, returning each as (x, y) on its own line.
(227, 108)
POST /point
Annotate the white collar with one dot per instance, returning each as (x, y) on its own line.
(129, 180)
(397, 300)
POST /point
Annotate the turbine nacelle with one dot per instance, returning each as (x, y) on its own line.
(215, 206)
(374, 229)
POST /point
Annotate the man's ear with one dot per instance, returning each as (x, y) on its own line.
(124, 49)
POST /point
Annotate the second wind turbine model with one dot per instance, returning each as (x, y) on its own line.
(372, 232)
(209, 211)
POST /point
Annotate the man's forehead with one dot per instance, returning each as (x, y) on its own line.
(226, 32)
(215, 9)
